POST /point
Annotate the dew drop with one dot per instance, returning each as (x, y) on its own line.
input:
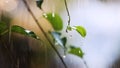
(53, 14)
(45, 15)
(64, 56)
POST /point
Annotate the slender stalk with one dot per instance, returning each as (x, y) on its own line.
(69, 20)
(9, 34)
(68, 13)
(46, 36)
(3, 33)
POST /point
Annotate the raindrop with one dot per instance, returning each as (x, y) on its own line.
(53, 14)
(45, 15)
(64, 56)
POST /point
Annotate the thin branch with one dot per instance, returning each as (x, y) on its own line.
(69, 20)
(3, 33)
(68, 13)
(46, 36)
(9, 34)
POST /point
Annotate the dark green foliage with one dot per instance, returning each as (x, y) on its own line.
(20, 30)
(4, 24)
(64, 41)
(39, 3)
(3, 27)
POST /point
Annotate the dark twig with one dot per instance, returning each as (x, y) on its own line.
(69, 18)
(46, 36)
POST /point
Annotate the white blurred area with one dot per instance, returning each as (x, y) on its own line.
(101, 18)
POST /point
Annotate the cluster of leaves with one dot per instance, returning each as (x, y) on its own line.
(61, 41)
(57, 24)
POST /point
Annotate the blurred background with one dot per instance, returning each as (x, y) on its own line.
(100, 18)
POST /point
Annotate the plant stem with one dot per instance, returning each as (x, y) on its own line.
(9, 34)
(3, 33)
(46, 36)
(69, 20)
(68, 13)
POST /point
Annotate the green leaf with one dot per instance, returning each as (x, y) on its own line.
(20, 30)
(81, 30)
(55, 20)
(3, 27)
(76, 51)
(39, 3)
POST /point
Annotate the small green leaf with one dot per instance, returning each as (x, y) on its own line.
(39, 3)
(76, 51)
(81, 30)
(55, 20)
(20, 30)
(69, 28)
